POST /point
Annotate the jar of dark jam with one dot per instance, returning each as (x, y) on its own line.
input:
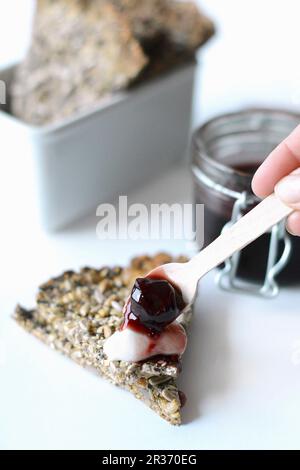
(226, 152)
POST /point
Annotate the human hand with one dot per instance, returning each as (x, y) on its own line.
(280, 173)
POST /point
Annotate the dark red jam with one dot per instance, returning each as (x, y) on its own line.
(153, 304)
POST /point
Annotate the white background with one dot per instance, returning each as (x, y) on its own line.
(253, 59)
(242, 368)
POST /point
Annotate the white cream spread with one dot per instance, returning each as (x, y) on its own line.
(132, 346)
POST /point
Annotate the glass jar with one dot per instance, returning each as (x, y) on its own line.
(226, 151)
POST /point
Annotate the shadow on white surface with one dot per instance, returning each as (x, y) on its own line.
(207, 361)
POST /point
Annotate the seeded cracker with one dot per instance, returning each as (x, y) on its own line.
(76, 312)
(168, 30)
(81, 51)
(180, 22)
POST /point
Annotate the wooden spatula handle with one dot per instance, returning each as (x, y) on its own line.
(251, 226)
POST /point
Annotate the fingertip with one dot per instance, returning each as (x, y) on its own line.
(258, 184)
(293, 224)
(256, 187)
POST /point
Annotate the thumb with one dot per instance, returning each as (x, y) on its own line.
(288, 190)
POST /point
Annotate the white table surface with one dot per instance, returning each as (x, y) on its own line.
(242, 367)
(241, 372)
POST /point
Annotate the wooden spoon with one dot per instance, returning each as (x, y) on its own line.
(249, 227)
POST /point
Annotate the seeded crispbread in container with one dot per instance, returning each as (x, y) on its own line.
(169, 31)
(76, 312)
(80, 52)
(181, 22)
